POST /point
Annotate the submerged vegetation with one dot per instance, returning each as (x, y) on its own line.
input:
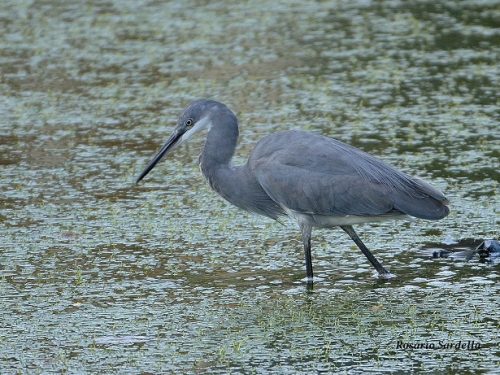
(98, 275)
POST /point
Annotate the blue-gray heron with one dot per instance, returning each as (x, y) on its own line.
(315, 180)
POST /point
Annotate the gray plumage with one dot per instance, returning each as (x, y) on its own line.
(316, 180)
(323, 176)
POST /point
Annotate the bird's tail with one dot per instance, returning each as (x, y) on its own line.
(422, 201)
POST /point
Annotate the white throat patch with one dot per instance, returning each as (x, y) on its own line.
(203, 123)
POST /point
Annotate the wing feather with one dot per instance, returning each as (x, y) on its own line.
(313, 174)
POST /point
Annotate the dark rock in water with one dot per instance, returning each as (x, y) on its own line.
(488, 248)
(441, 254)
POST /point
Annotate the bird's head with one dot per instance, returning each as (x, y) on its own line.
(196, 117)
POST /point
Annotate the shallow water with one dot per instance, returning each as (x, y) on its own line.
(100, 275)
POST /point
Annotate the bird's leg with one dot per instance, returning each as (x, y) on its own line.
(306, 239)
(380, 269)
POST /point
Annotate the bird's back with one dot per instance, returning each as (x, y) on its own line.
(313, 174)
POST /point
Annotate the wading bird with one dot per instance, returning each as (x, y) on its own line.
(315, 180)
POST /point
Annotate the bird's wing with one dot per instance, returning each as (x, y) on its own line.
(313, 174)
(322, 194)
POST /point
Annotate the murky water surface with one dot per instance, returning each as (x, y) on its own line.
(100, 275)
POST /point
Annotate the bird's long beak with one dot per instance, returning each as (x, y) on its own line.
(169, 145)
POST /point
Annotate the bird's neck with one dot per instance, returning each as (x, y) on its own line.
(219, 147)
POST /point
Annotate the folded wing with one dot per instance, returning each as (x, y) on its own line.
(313, 174)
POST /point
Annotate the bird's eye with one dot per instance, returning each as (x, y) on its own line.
(189, 122)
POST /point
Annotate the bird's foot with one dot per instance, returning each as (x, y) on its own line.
(386, 275)
(309, 284)
(310, 281)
